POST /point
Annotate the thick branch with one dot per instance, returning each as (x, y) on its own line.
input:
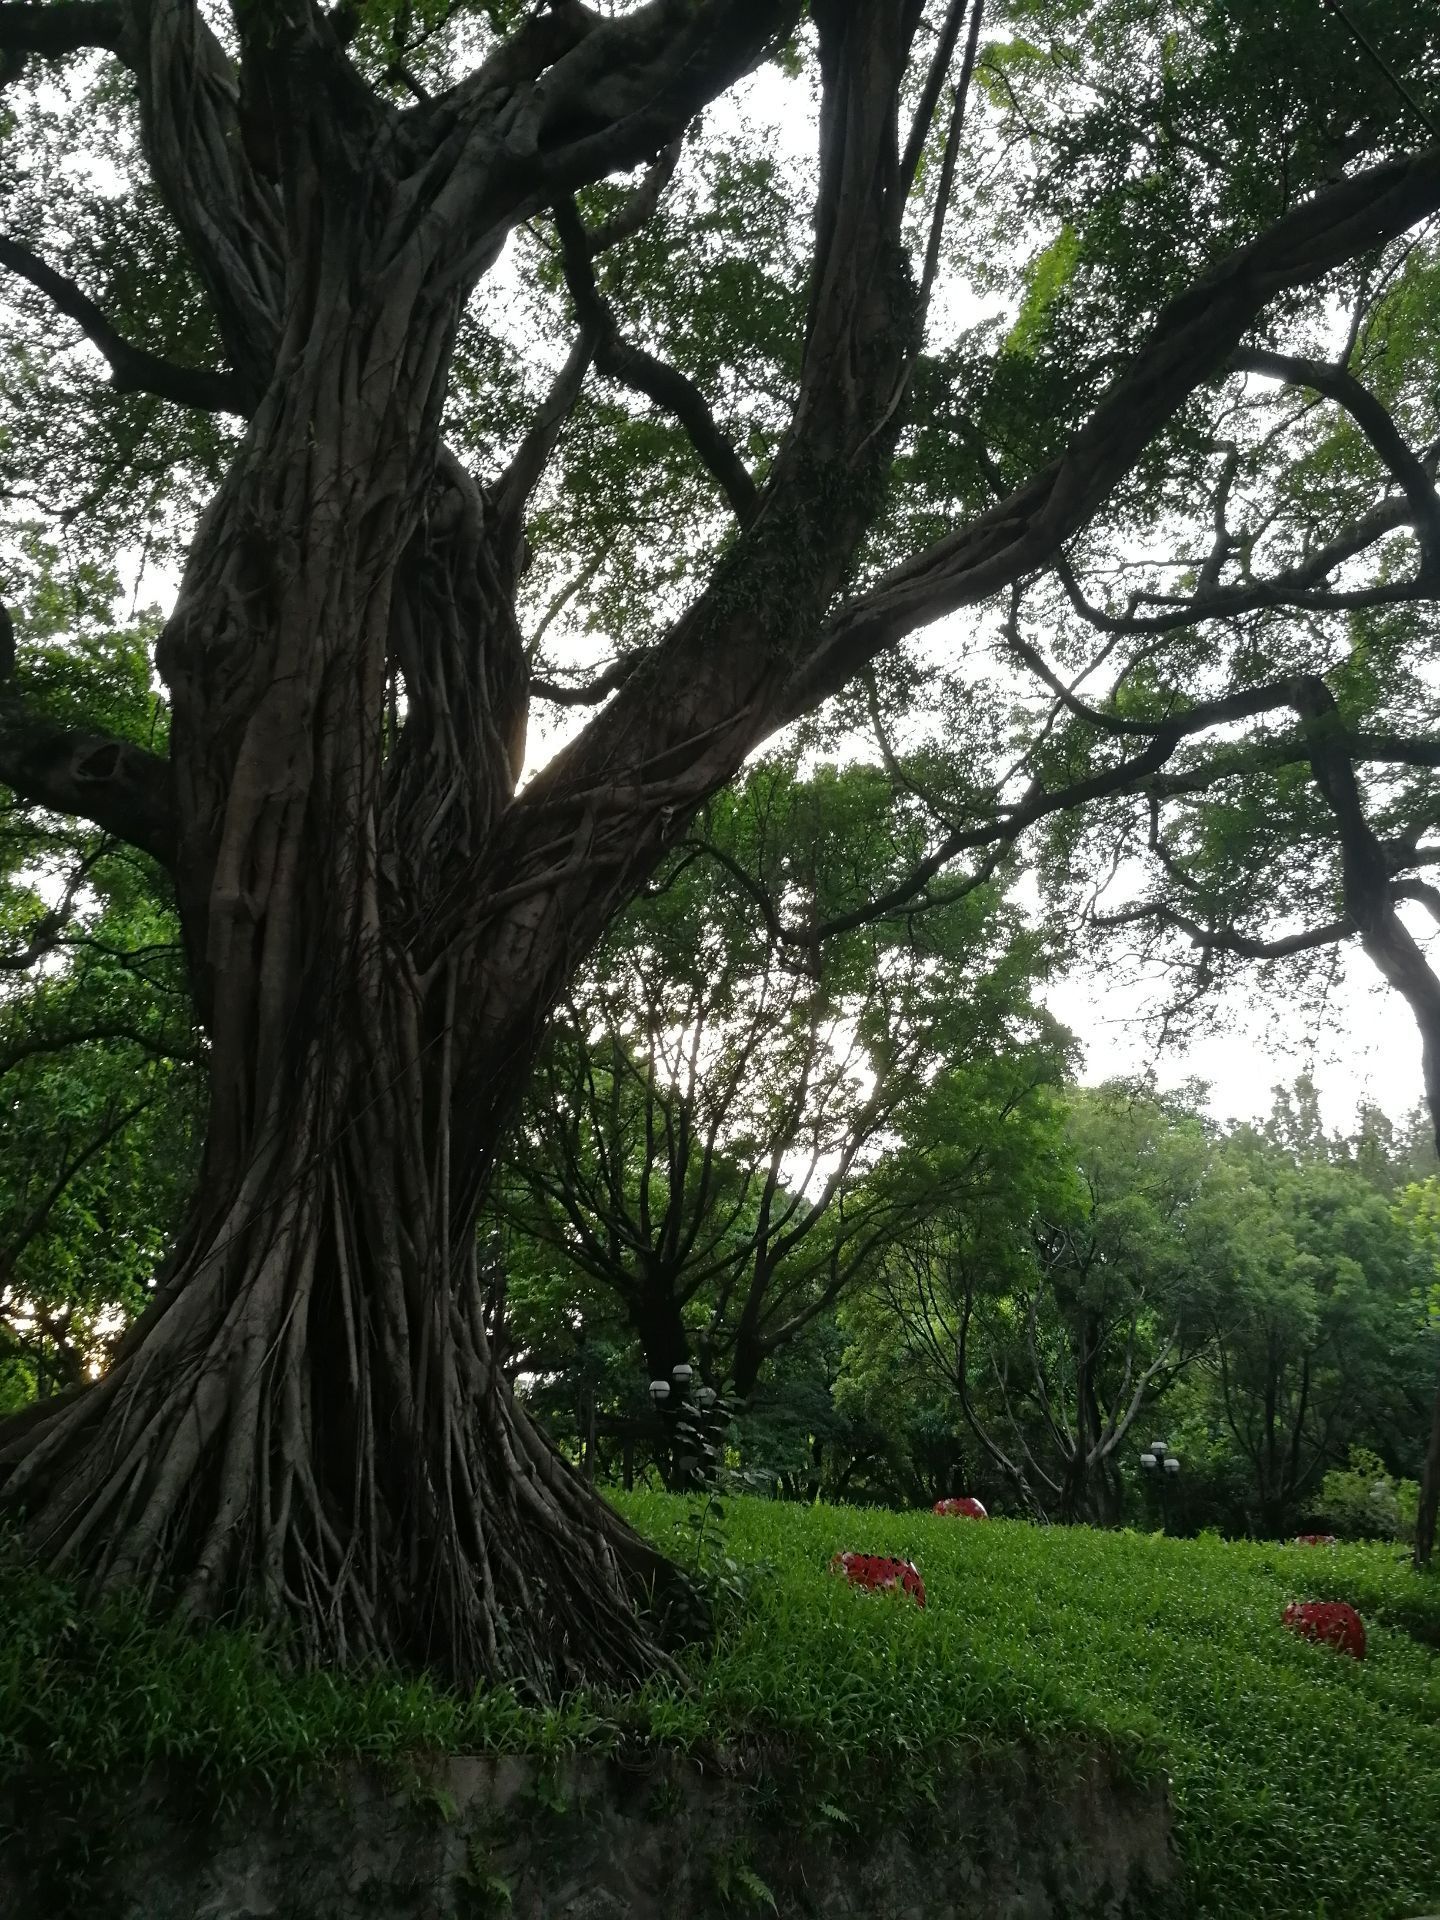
(1374, 421)
(759, 646)
(122, 788)
(197, 146)
(672, 391)
(1367, 884)
(1421, 891)
(134, 370)
(1193, 340)
(930, 95)
(1227, 939)
(572, 97)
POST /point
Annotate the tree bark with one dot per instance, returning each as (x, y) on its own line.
(308, 1426)
(1429, 1509)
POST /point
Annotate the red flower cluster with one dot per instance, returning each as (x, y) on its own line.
(874, 1572)
(1315, 1540)
(963, 1508)
(1331, 1621)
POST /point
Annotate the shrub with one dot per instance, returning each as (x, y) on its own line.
(1363, 1502)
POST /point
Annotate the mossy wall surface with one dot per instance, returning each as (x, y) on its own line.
(597, 1840)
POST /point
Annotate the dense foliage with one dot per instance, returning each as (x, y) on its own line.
(1071, 1272)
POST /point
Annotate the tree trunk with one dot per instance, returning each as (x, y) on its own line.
(1429, 1508)
(751, 1353)
(659, 1324)
(307, 1425)
(1075, 1495)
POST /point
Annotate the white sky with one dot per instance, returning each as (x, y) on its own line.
(1369, 1053)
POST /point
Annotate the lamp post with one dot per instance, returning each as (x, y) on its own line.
(696, 1415)
(1164, 1465)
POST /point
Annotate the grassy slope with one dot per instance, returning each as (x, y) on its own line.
(1305, 1784)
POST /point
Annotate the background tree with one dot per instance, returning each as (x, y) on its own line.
(1059, 1308)
(1233, 684)
(1418, 1205)
(1313, 1278)
(711, 1123)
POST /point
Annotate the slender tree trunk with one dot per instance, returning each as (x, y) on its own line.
(1429, 1509)
(1075, 1489)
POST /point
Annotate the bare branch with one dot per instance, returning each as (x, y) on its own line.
(32, 1045)
(671, 390)
(1374, 421)
(520, 479)
(45, 935)
(1227, 939)
(641, 205)
(1193, 340)
(930, 95)
(947, 169)
(513, 489)
(592, 692)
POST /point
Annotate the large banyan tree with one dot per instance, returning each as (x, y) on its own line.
(378, 916)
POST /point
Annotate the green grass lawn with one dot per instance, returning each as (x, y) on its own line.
(1305, 1784)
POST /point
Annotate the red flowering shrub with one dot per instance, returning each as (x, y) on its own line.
(1332, 1621)
(874, 1572)
(963, 1507)
(1314, 1540)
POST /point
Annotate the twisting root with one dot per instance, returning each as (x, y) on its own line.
(312, 1434)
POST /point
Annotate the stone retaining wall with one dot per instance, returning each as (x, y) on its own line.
(596, 1840)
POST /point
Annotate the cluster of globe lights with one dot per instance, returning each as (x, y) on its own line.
(1159, 1455)
(682, 1375)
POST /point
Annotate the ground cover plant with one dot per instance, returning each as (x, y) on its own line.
(1304, 1784)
